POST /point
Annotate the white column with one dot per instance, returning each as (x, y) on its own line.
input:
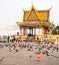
(34, 31)
(40, 31)
(20, 31)
(26, 31)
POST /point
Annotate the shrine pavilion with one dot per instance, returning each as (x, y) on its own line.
(36, 22)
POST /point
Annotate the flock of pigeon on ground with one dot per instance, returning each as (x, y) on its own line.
(43, 48)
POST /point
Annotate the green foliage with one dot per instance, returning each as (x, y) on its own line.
(55, 30)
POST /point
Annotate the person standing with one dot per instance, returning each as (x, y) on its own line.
(6, 39)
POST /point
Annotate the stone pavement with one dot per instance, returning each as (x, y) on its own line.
(22, 57)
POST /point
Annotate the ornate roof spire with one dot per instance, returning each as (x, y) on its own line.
(32, 7)
(23, 9)
(50, 8)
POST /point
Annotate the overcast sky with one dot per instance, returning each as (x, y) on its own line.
(11, 10)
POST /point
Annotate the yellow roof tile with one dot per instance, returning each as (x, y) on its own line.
(33, 15)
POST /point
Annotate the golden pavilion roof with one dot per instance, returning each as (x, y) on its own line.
(34, 18)
(34, 15)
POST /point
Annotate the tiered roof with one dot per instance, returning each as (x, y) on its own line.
(34, 15)
(34, 18)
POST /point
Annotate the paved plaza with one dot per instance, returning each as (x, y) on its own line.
(22, 56)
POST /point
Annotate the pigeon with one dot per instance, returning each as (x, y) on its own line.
(16, 50)
(30, 56)
(1, 59)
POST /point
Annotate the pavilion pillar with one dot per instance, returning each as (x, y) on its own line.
(23, 31)
(29, 30)
(38, 31)
(26, 31)
(34, 31)
(20, 31)
(42, 31)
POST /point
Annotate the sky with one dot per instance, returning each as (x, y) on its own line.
(11, 11)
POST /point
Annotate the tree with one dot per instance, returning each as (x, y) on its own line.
(55, 30)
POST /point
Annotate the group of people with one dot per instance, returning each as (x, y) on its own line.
(10, 39)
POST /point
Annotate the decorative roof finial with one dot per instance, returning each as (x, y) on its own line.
(23, 9)
(32, 5)
(50, 8)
